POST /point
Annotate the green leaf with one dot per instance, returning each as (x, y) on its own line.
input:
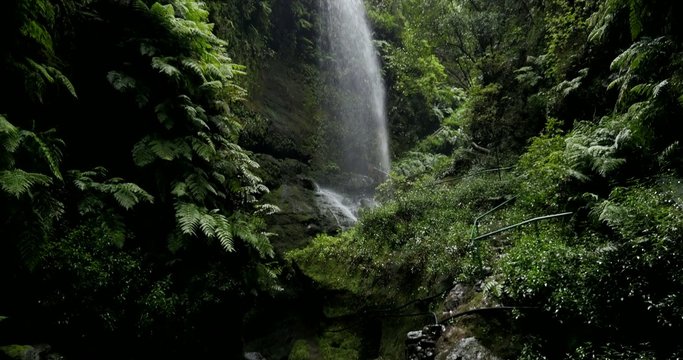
(18, 182)
(121, 82)
(188, 216)
(142, 153)
(9, 135)
(63, 80)
(51, 156)
(164, 67)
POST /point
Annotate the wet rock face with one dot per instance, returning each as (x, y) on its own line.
(470, 349)
(421, 344)
(456, 296)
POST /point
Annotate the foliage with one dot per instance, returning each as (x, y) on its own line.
(300, 351)
(605, 78)
(339, 346)
(119, 231)
(408, 243)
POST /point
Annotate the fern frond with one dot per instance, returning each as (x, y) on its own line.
(188, 216)
(41, 69)
(179, 189)
(257, 240)
(195, 67)
(204, 147)
(267, 209)
(17, 182)
(37, 32)
(199, 185)
(212, 85)
(121, 82)
(50, 154)
(10, 137)
(170, 149)
(656, 91)
(207, 224)
(140, 6)
(163, 11)
(607, 248)
(162, 65)
(129, 194)
(492, 288)
(62, 80)
(142, 153)
(669, 152)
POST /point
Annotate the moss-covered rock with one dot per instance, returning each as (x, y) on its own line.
(18, 352)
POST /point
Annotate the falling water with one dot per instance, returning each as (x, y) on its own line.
(340, 207)
(358, 98)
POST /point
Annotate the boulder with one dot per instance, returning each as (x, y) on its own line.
(470, 349)
(253, 356)
(456, 297)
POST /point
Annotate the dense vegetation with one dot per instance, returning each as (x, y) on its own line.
(136, 156)
(561, 107)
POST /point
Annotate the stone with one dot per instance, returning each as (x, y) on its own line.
(470, 349)
(414, 335)
(456, 296)
(253, 356)
(433, 331)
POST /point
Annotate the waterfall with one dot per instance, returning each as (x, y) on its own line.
(357, 104)
(341, 208)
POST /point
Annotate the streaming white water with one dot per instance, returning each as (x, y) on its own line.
(355, 77)
(342, 209)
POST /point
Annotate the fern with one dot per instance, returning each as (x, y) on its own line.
(635, 14)
(53, 75)
(120, 81)
(10, 137)
(149, 149)
(267, 209)
(38, 33)
(142, 153)
(492, 288)
(188, 216)
(62, 80)
(127, 195)
(606, 17)
(204, 147)
(212, 224)
(258, 240)
(162, 65)
(195, 67)
(51, 154)
(17, 182)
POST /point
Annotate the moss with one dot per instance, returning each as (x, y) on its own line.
(343, 345)
(300, 351)
(15, 351)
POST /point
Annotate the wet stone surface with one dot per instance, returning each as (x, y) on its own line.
(421, 344)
